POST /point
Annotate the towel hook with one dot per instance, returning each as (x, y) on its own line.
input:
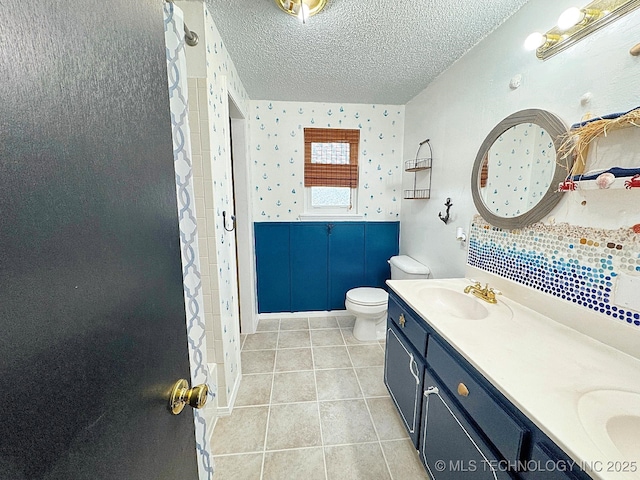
(224, 222)
(445, 217)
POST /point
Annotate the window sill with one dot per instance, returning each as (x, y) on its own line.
(327, 217)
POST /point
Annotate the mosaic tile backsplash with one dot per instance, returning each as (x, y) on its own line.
(576, 264)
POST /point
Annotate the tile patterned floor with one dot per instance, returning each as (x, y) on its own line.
(312, 405)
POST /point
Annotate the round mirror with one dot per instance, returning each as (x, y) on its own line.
(517, 171)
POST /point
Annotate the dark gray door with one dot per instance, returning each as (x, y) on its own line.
(92, 320)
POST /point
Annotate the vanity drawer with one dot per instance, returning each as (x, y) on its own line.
(409, 326)
(505, 432)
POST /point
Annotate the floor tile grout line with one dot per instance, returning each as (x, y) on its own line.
(315, 381)
(318, 400)
(344, 334)
(266, 432)
(255, 452)
(276, 450)
(373, 423)
(384, 455)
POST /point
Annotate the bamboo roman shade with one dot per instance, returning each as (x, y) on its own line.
(334, 164)
(484, 172)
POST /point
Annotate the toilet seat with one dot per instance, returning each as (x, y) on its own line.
(368, 296)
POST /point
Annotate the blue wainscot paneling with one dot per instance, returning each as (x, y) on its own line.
(309, 275)
(347, 261)
(381, 243)
(273, 269)
(310, 266)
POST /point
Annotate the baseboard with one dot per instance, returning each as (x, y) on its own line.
(211, 428)
(325, 313)
(228, 409)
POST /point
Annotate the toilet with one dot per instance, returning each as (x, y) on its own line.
(369, 305)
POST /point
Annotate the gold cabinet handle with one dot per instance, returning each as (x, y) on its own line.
(401, 320)
(463, 390)
(182, 395)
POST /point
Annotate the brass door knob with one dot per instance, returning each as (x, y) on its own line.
(463, 390)
(182, 395)
(401, 320)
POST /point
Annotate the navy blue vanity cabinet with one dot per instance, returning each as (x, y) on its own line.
(493, 418)
(403, 374)
(450, 447)
(547, 462)
(411, 326)
(463, 420)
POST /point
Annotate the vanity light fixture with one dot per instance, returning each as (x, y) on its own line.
(575, 16)
(538, 40)
(303, 9)
(576, 23)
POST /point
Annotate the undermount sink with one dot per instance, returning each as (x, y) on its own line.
(454, 303)
(611, 419)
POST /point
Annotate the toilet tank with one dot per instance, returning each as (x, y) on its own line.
(404, 267)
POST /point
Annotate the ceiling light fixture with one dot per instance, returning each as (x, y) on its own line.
(303, 12)
(303, 9)
(576, 23)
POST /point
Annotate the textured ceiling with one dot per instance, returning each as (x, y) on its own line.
(354, 51)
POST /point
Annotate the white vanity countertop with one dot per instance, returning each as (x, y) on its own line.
(540, 365)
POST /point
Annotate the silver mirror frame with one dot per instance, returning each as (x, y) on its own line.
(555, 127)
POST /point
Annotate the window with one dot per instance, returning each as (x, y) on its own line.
(331, 169)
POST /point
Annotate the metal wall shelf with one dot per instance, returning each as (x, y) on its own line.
(419, 164)
(419, 194)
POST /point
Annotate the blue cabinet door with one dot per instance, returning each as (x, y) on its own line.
(450, 448)
(380, 244)
(273, 267)
(309, 266)
(403, 373)
(346, 260)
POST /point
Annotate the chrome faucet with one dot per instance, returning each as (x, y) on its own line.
(487, 294)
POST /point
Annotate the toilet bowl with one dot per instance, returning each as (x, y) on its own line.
(369, 305)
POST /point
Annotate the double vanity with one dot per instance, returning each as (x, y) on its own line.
(498, 390)
(515, 385)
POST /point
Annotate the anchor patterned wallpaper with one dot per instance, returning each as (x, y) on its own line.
(209, 118)
(223, 80)
(277, 156)
(177, 70)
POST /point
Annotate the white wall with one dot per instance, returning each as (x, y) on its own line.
(277, 156)
(461, 107)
